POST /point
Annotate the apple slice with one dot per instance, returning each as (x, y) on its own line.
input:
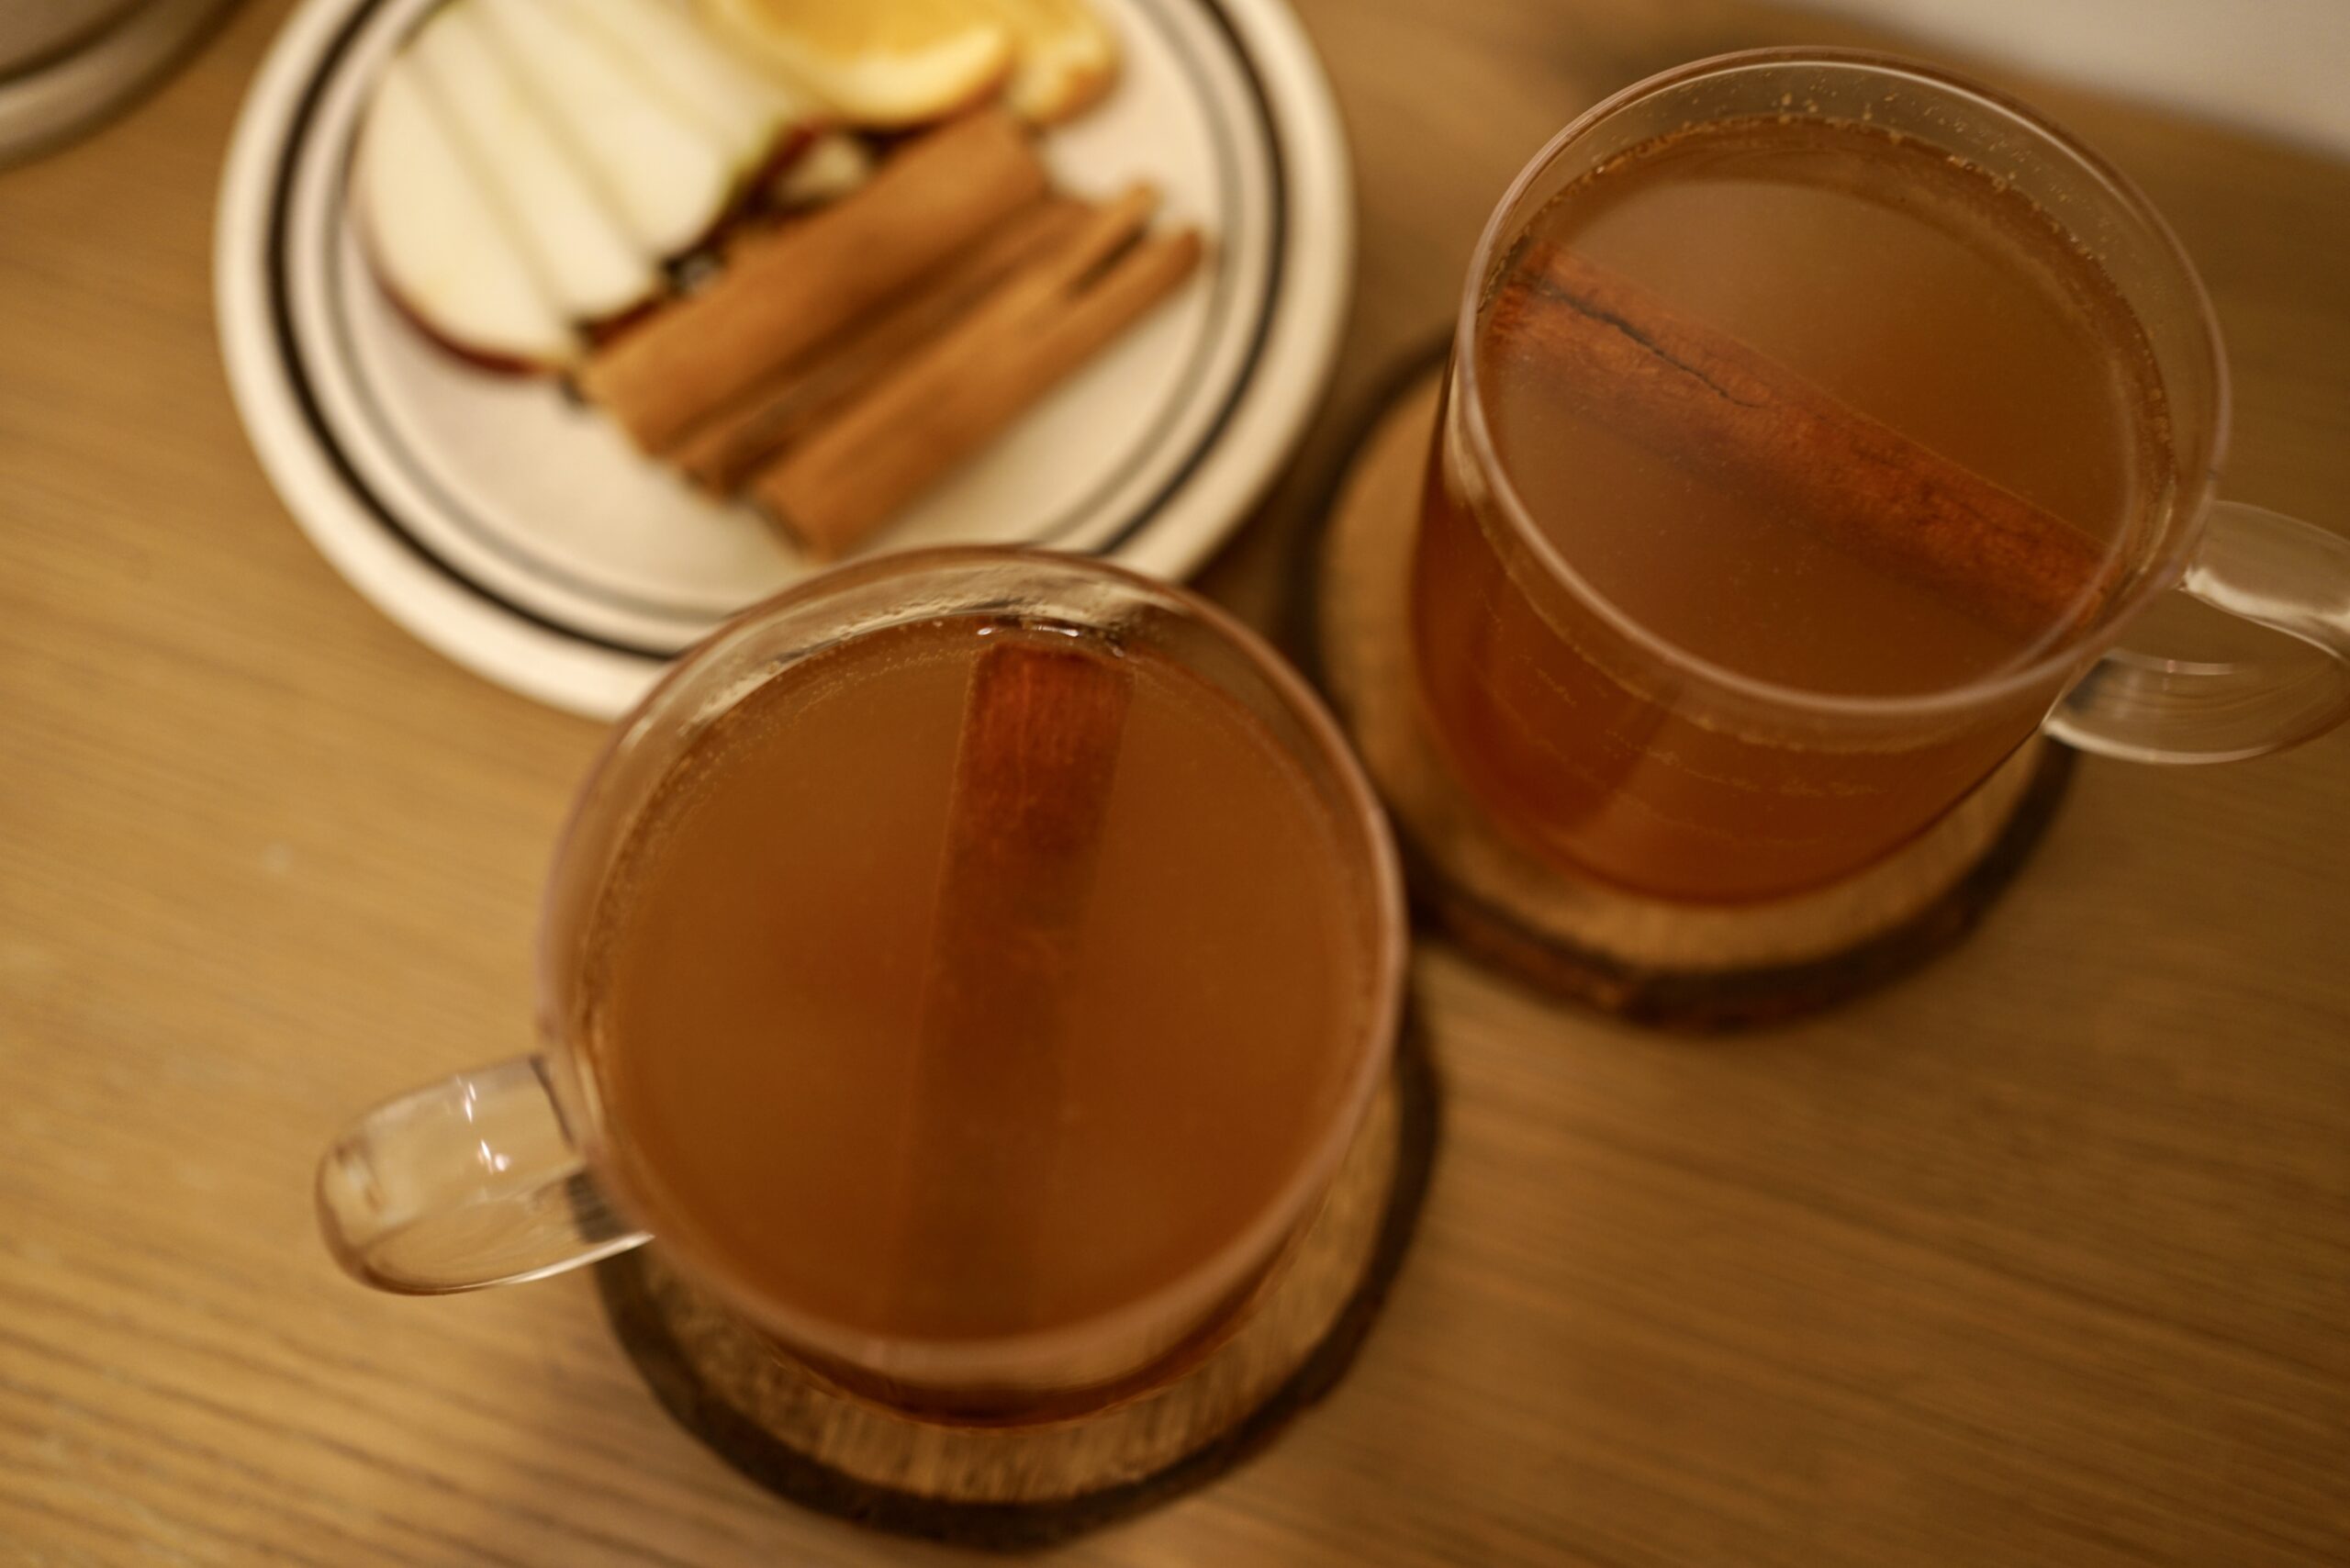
(755, 117)
(666, 176)
(582, 256)
(441, 246)
(1066, 57)
(898, 63)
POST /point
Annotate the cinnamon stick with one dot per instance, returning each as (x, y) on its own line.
(722, 451)
(1043, 724)
(1617, 354)
(784, 291)
(911, 427)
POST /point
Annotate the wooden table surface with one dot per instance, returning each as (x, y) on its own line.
(2041, 1257)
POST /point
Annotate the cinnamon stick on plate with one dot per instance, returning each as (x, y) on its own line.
(725, 449)
(856, 470)
(1043, 725)
(1620, 356)
(784, 291)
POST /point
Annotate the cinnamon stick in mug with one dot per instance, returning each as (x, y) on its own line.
(784, 292)
(1620, 355)
(1037, 755)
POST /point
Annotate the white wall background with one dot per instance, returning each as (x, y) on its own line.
(2281, 67)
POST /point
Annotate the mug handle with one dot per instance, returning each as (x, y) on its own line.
(2258, 566)
(473, 1181)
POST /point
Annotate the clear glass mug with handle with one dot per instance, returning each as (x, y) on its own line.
(517, 1170)
(1724, 787)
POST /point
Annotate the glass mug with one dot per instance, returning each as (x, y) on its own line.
(533, 1166)
(1610, 748)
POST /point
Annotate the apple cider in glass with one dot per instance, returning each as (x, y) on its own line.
(973, 979)
(1767, 415)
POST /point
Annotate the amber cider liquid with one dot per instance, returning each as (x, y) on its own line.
(1918, 290)
(755, 1021)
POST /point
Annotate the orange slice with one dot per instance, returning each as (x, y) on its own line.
(1067, 57)
(879, 62)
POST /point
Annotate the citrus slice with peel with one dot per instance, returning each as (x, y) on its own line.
(1066, 57)
(879, 62)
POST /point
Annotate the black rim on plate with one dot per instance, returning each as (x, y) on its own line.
(299, 380)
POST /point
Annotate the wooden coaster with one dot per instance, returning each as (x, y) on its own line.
(1016, 1487)
(1650, 960)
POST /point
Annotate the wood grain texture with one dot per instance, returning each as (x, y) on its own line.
(2042, 1257)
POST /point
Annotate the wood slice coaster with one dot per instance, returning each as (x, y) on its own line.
(1017, 1487)
(1645, 958)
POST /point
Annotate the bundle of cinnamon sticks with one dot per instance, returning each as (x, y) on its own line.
(839, 364)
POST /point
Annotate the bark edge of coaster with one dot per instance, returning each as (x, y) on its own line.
(1643, 958)
(1017, 1488)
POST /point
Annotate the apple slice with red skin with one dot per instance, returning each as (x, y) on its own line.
(437, 239)
(528, 166)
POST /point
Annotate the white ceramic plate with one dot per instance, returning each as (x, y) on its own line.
(521, 536)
